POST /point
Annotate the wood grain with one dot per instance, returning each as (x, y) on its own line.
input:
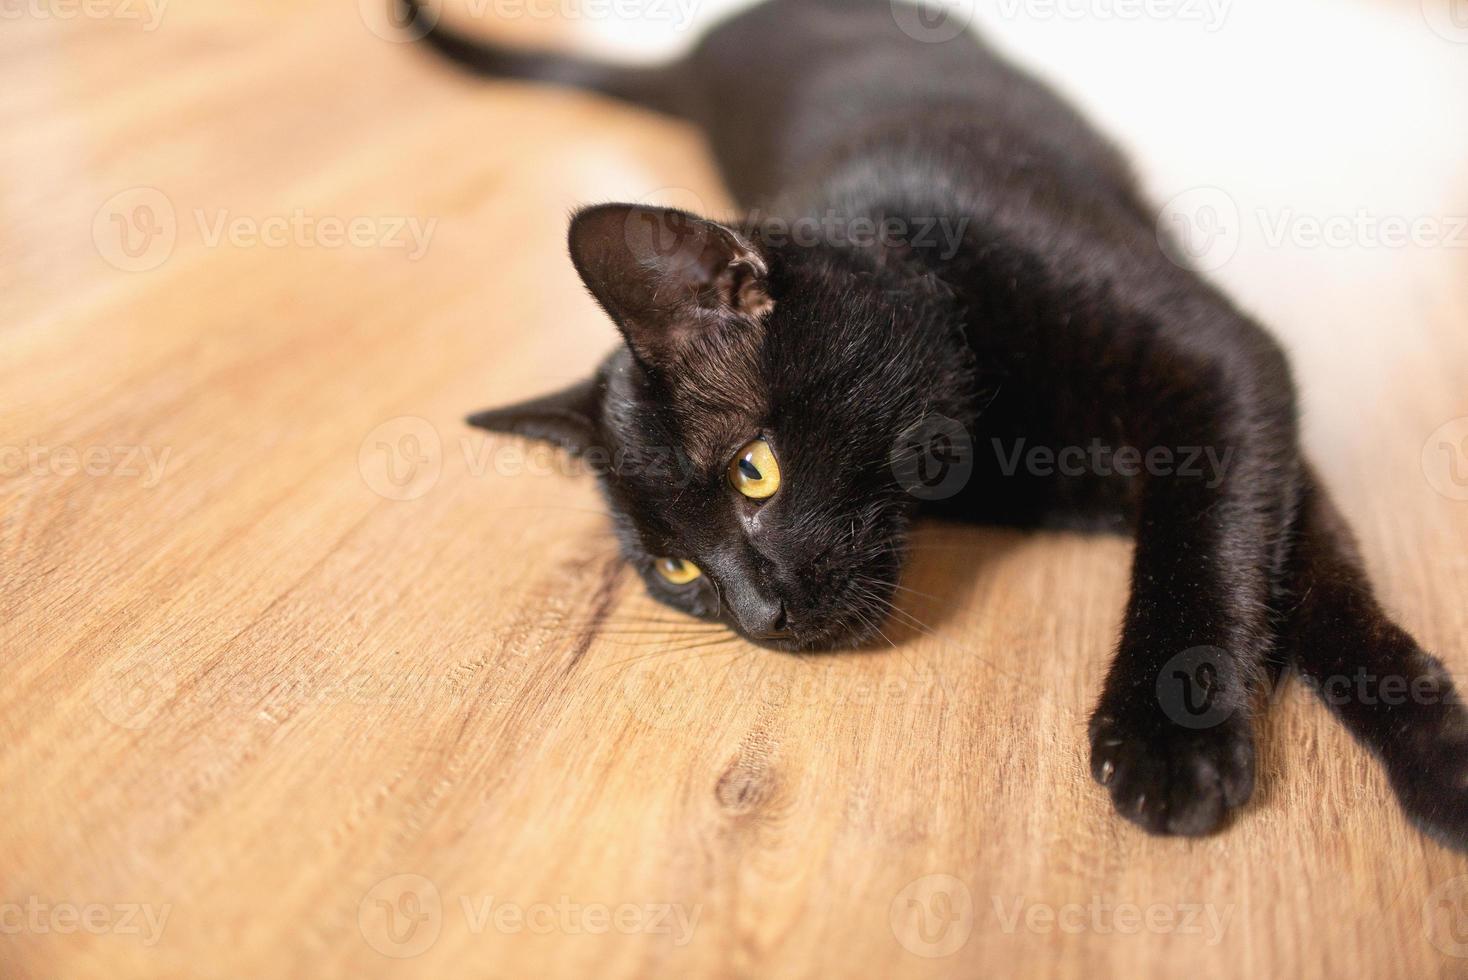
(250, 694)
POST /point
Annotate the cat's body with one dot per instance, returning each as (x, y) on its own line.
(1023, 294)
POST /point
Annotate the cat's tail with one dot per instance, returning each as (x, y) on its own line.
(657, 87)
(1392, 695)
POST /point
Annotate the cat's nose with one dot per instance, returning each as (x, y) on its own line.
(754, 611)
(763, 619)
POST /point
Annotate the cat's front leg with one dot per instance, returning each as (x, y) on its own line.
(1171, 738)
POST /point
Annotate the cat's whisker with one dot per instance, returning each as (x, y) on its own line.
(726, 670)
(919, 545)
(614, 621)
(639, 643)
(895, 610)
(659, 631)
(903, 653)
(628, 631)
(925, 595)
(654, 654)
(907, 621)
(1018, 678)
(601, 624)
(874, 627)
(570, 507)
(866, 593)
(701, 644)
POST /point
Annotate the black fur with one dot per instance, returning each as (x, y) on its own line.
(1048, 316)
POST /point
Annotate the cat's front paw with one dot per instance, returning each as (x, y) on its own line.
(1169, 778)
(1430, 776)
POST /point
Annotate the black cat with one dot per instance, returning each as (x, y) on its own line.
(939, 253)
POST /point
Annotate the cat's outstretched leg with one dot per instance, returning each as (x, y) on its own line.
(1171, 737)
(1392, 695)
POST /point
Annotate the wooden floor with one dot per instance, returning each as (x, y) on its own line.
(302, 678)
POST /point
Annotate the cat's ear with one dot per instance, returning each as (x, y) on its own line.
(566, 418)
(668, 278)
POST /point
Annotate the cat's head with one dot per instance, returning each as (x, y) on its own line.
(746, 429)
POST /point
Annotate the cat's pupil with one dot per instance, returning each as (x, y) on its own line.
(750, 470)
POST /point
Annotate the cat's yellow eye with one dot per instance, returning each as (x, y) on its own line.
(754, 472)
(678, 571)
